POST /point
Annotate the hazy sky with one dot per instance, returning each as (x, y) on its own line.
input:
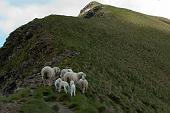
(14, 13)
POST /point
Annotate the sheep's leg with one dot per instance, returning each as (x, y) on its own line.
(71, 92)
(86, 89)
(74, 92)
(68, 89)
(47, 82)
(44, 82)
(83, 90)
(65, 89)
(50, 82)
(59, 90)
(56, 87)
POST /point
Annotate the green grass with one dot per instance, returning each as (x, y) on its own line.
(125, 55)
(37, 103)
(82, 103)
(23, 93)
(33, 101)
(40, 100)
(35, 106)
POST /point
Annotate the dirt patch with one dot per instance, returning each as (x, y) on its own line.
(9, 108)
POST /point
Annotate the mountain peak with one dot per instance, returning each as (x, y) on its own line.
(91, 9)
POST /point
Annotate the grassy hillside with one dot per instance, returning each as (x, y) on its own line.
(125, 54)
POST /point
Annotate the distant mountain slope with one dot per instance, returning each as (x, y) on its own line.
(125, 54)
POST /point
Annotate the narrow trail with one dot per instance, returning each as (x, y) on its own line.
(63, 109)
(9, 108)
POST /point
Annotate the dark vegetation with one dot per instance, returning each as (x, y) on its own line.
(125, 54)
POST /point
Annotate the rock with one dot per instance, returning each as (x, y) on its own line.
(91, 10)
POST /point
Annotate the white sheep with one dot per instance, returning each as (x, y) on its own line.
(68, 76)
(83, 84)
(63, 71)
(57, 83)
(65, 85)
(48, 74)
(72, 88)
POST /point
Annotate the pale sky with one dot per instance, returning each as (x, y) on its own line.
(14, 13)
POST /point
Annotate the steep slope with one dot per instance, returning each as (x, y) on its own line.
(125, 55)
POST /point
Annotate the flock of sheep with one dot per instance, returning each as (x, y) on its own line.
(64, 78)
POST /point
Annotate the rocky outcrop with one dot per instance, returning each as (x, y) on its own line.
(91, 10)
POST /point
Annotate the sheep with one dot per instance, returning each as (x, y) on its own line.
(49, 73)
(65, 85)
(72, 88)
(83, 84)
(57, 83)
(68, 76)
(63, 71)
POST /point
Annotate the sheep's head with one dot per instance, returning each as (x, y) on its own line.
(56, 70)
(83, 77)
(70, 70)
(80, 74)
(71, 82)
(59, 79)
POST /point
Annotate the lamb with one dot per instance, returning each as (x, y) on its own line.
(48, 74)
(57, 83)
(68, 76)
(83, 84)
(65, 85)
(72, 88)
